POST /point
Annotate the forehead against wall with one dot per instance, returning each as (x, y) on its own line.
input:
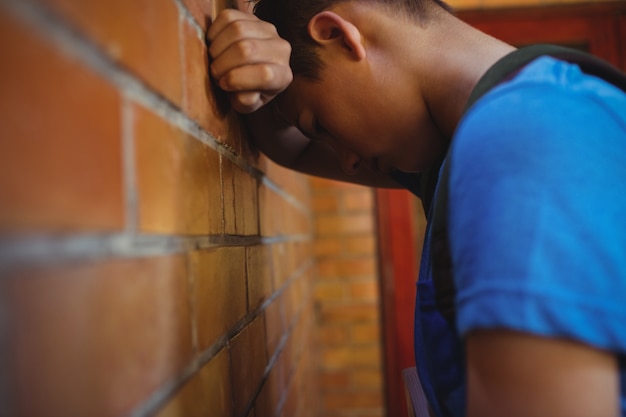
(150, 262)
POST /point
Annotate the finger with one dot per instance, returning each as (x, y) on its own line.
(240, 30)
(246, 102)
(269, 78)
(225, 18)
(251, 52)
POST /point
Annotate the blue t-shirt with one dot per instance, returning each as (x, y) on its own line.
(537, 222)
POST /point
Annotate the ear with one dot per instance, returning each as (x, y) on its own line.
(328, 28)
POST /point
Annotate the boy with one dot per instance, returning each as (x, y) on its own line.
(372, 92)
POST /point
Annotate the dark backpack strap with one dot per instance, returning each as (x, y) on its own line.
(508, 66)
(501, 71)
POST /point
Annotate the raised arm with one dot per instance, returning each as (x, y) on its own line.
(251, 62)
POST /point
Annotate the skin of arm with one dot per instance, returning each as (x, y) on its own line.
(516, 374)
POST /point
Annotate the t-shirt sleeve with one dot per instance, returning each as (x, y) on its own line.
(537, 216)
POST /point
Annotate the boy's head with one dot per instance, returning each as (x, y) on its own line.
(355, 87)
(291, 18)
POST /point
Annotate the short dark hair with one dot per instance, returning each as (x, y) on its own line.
(291, 18)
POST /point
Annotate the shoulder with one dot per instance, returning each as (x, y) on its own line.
(536, 201)
(547, 96)
(550, 113)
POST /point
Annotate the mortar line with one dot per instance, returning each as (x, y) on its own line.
(131, 204)
(162, 394)
(49, 249)
(186, 14)
(277, 352)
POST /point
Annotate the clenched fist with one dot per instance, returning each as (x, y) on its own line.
(249, 60)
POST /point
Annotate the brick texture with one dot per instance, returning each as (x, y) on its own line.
(141, 34)
(95, 339)
(346, 295)
(177, 179)
(56, 173)
(151, 263)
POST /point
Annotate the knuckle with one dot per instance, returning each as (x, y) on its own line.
(266, 74)
(238, 27)
(229, 15)
(246, 48)
(271, 29)
(285, 48)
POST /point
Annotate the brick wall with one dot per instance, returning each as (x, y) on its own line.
(150, 263)
(346, 299)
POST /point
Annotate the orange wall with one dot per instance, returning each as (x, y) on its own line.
(150, 263)
(347, 301)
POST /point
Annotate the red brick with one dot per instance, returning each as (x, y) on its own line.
(248, 361)
(274, 326)
(259, 275)
(204, 11)
(323, 203)
(366, 378)
(330, 335)
(199, 92)
(351, 357)
(235, 134)
(366, 290)
(365, 333)
(332, 225)
(230, 199)
(329, 246)
(140, 34)
(342, 268)
(327, 291)
(269, 398)
(290, 404)
(359, 200)
(267, 215)
(60, 160)
(219, 292)
(353, 400)
(349, 313)
(319, 183)
(177, 179)
(333, 380)
(360, 245)
(207, 393)
(97, 339)
(246, 202)
(281, 268)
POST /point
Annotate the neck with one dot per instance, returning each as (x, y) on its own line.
(449, 72)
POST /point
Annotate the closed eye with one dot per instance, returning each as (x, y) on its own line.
(319, 129)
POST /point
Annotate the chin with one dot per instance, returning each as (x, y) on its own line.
(411, 169)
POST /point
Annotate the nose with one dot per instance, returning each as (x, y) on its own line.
(349, 162)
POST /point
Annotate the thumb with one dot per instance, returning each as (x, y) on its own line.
(246, 101)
